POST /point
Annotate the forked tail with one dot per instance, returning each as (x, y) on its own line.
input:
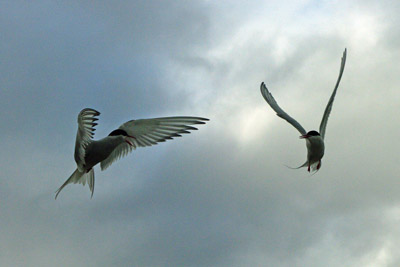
(314, 166)
(81, 178)
(304, 165)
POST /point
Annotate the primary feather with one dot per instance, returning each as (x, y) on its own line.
(324, 121)
(148, 132)
(274, 105)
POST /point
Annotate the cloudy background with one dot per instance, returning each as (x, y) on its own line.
(220, 196)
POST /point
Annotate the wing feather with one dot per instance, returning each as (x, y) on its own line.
(86, 124)
(148, 132)
(272, 102)
(322, 127)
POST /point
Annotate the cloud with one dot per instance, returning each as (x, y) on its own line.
(220, 196)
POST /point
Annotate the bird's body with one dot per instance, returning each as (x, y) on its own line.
(99, 150)
(314, 140)
(132, 134)
(315, 150)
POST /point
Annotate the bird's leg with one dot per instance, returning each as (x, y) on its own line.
(319, 165)
(308, 169)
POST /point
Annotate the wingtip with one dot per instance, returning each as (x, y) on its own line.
(92, 110)
(201, 120)
(262, 86)
(57, 192)
(264, 91)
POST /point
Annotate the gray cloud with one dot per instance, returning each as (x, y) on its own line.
(220, 196)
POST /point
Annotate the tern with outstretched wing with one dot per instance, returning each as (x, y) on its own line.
(131, 134)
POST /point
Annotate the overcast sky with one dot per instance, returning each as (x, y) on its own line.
(222, 195)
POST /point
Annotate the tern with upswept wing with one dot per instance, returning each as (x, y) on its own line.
(314, 140)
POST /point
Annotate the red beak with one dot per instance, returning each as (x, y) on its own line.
(304, 136)
(129, 142)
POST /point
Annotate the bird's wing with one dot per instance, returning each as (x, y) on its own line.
(322, 127)
(272, 102)
(86, 124)
(147, 132)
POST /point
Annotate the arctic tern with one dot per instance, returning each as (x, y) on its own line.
(131, 134)
(314, 140)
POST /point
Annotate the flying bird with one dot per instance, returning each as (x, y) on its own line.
(314, 140)
(131, 134)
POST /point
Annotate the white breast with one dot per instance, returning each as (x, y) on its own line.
(315, 148)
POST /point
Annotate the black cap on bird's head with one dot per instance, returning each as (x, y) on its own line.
(122, 133)
(118, 132)
(310, 133)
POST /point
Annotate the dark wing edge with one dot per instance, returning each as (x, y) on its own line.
(86, 128)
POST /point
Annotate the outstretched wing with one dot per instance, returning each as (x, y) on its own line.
(272, 102)
(147, 132)
(86, 124)
(322, 127)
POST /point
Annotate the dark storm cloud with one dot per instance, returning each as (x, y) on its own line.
(58, 55)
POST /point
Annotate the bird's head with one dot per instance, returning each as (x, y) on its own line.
(123, 134)
(310, 134)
